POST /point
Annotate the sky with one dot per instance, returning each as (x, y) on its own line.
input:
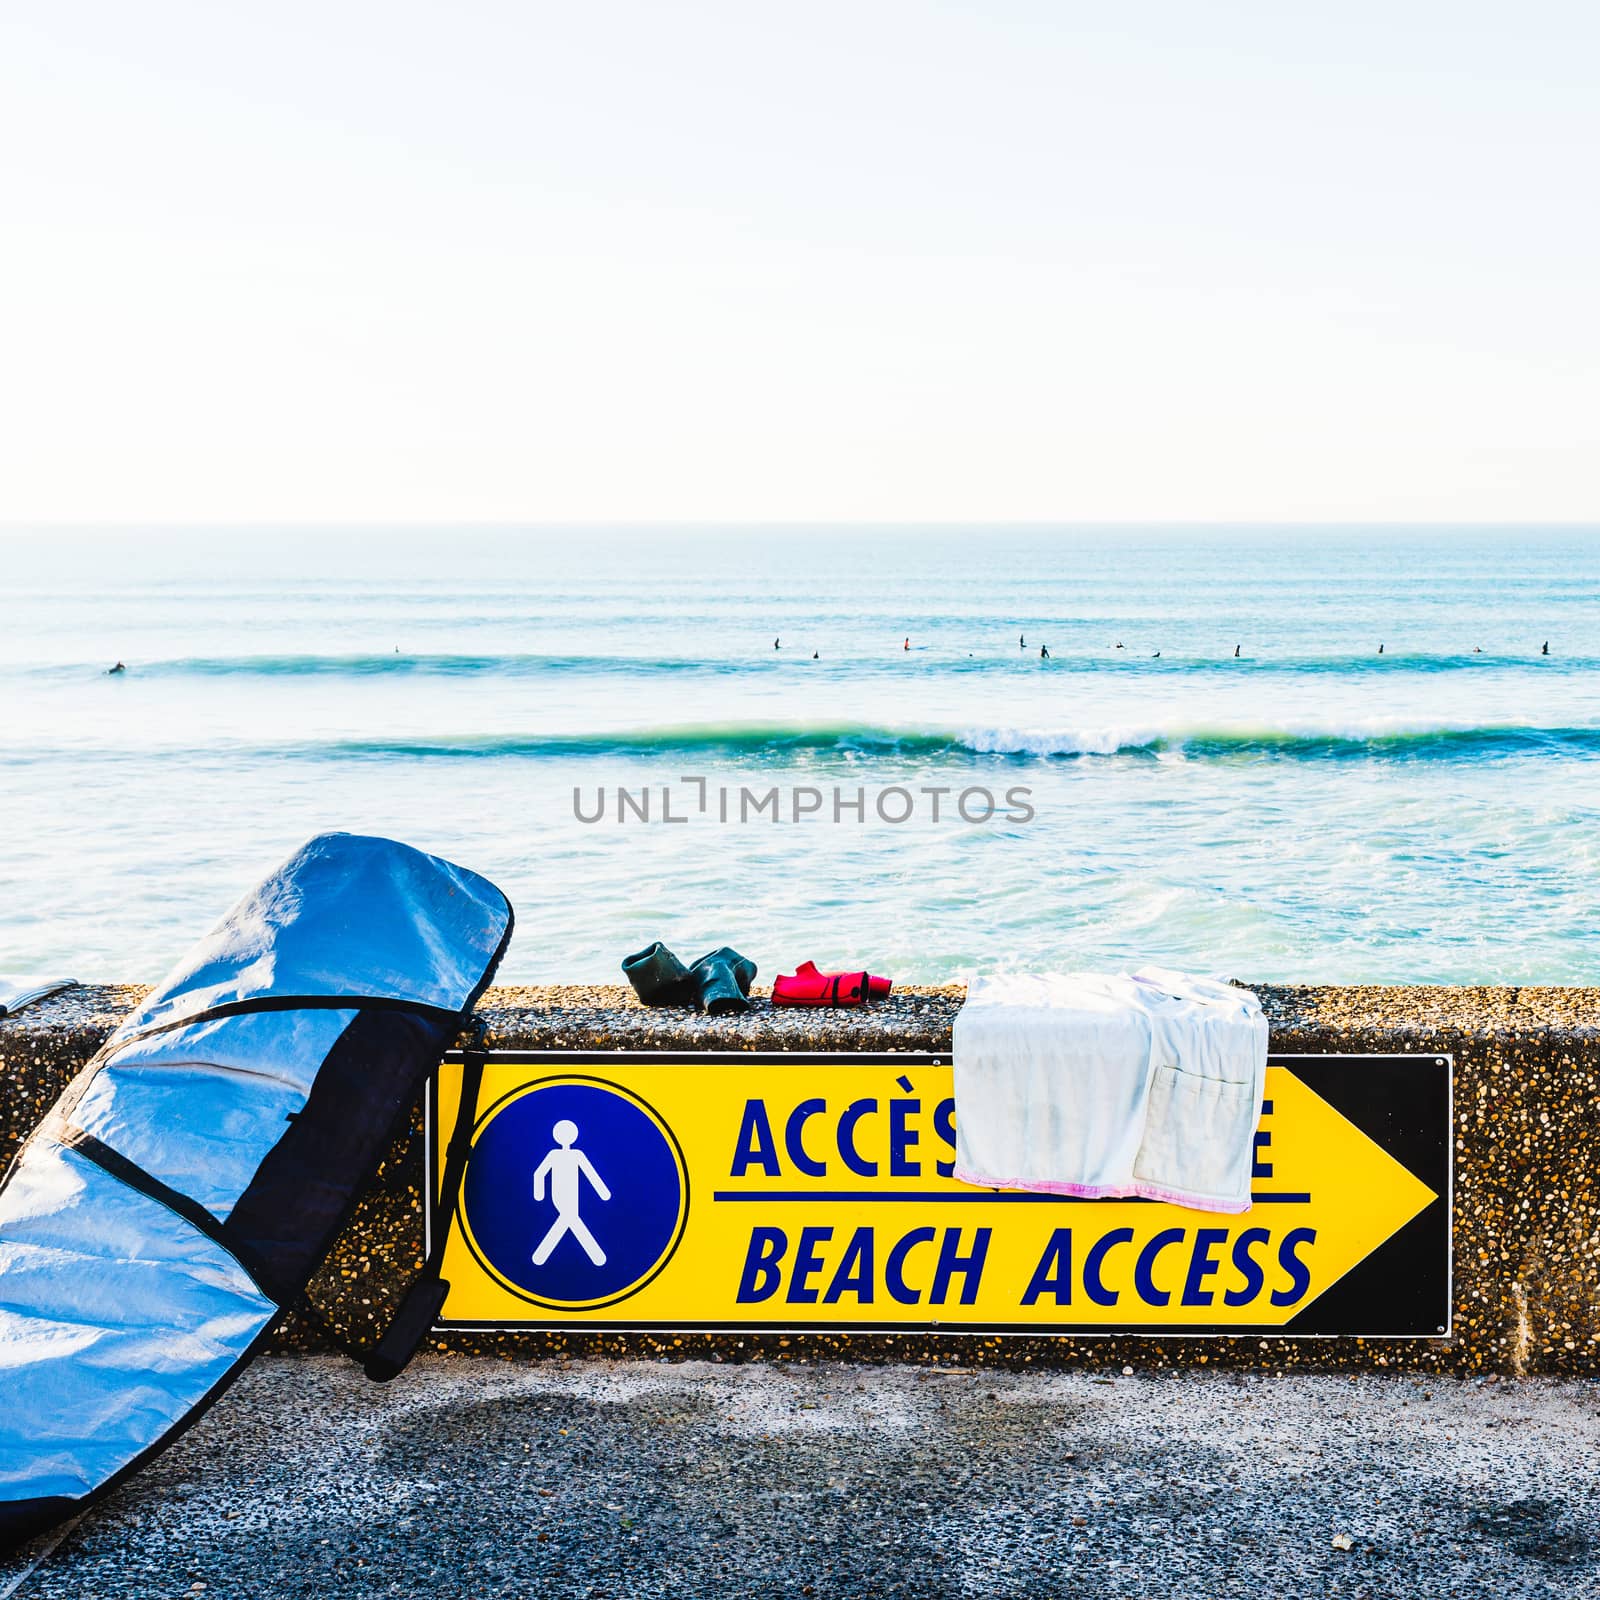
(870, 260)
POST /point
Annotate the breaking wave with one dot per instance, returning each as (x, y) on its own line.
(1371, 741)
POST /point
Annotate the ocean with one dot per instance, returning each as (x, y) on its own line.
(1214, 768)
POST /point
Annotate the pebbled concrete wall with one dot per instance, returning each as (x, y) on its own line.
(1527, 1153)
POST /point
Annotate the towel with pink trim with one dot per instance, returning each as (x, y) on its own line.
(1077, 1083)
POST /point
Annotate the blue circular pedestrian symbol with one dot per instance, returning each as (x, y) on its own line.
(575, 1194)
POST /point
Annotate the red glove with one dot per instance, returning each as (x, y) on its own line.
(808, 987)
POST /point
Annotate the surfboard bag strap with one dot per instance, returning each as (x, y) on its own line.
(175, 1202)
(423, 1301)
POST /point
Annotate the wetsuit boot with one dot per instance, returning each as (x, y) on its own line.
(722, 980)
(659, 978)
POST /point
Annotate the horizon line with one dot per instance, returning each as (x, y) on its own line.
(509, 524)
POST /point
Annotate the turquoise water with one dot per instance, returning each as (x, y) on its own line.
(1307, 810)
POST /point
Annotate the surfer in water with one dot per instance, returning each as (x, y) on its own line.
(1236, 652)
(1380, 649)
(1044, 652)
(1022, 641)
(907, 644)
(1546, 650)
(111, 672)
(776, 642)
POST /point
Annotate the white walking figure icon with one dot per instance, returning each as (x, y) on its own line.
(566, 1168)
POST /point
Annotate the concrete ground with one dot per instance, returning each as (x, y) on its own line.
(478, 1478)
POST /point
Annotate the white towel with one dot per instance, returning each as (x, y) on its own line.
(15, 992)
(1095, 1085)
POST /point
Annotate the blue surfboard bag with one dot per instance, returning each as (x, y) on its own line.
(173, 1204)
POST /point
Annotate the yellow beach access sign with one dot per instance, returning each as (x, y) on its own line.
(795, 1191)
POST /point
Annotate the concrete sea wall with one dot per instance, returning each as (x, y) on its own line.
(1526, 1217)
